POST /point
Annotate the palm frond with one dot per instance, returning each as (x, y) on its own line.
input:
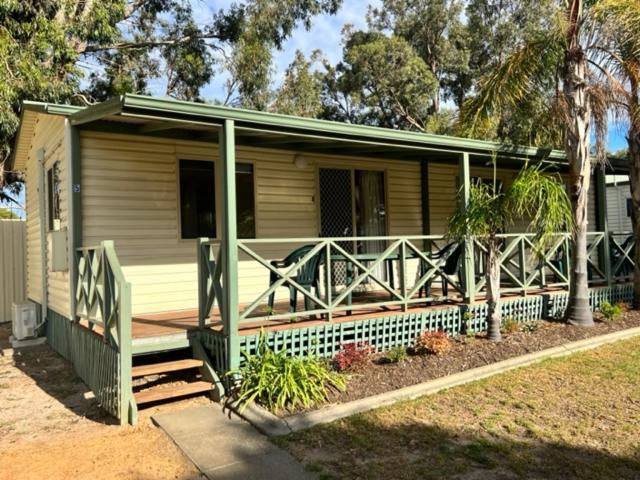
(541, 197)
(528, 70)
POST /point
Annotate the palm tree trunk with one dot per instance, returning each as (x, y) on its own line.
(577, 150)
(494, 314)
(633, 140)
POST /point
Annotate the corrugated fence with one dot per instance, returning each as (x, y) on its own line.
(12, 266)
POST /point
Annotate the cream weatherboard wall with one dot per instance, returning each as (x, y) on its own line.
(48, 134)
(443, 187)
(618, 215)
(130, 195)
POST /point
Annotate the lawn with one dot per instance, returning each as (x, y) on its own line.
(574, 417)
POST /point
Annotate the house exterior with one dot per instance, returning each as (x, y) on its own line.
(156, 225)
(619, 203)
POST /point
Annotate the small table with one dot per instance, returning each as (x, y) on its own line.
(371, 257)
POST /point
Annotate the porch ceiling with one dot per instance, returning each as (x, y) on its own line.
(143, 115)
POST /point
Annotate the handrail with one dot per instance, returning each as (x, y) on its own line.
(331, 254)
(525, 268)
(103, 298)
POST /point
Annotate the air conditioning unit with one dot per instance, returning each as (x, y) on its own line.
(24, 321)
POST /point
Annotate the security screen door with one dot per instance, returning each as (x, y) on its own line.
(352, 203)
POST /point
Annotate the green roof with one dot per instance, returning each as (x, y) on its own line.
(303, 133)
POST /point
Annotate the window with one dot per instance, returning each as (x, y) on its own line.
(53, 196)
(197, 199)
(629, 207)
(245, 201)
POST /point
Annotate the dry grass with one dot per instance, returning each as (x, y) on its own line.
(577, 417)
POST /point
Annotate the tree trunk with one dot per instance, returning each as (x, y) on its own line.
(577, 149)
(494, 314)
(633, 139)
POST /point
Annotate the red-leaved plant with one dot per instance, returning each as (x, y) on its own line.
(353, 356)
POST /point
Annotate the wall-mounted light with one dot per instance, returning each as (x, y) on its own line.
(300, 162)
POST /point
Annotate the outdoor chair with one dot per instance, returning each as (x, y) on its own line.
(451, 267)
(307, 276)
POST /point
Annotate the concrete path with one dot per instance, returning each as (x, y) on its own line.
(225, 447)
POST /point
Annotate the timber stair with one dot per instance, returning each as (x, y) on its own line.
(161, 379)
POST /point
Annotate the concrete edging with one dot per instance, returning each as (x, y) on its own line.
(274, 426)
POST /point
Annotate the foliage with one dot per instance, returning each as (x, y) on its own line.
(353, 357)
(397, 354)
(380, 81)
(530, 327)
(535, 195)
(435, 31)
(277, 381)
(610, 312)
(433, 343)
(47, 48)
(5, 213)
(300, 92)
(510, 325)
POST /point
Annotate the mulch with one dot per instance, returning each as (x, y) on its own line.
(380, 376)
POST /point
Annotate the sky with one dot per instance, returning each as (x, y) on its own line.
(324, 34)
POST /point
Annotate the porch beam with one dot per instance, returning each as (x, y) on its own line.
(602, 223)
(468, 266)
(229, 237)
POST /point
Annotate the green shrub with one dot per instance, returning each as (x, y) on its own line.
(530, 327)
(397, 355)
(278, 381)
(510, 325)
(610, 312)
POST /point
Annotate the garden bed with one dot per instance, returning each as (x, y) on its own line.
(380, 376)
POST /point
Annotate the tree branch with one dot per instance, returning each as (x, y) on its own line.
(147, 43)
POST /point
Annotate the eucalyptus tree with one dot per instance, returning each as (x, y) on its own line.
(381, 81)
(617, 64)
(553, 66)
(47, 47)
(434, 28)
(300, 91)
(536, 196)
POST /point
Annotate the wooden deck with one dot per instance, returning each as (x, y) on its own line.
(171, 323)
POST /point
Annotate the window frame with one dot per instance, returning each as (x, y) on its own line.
(217, 194)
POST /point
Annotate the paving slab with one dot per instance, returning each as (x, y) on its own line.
(224, 446)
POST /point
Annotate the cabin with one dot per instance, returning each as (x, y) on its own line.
(165, 235)
(619, 203)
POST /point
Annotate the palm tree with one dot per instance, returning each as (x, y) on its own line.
(617, 64)
(535, 195)
(553, 65)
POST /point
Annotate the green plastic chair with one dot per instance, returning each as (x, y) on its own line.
(307, 276)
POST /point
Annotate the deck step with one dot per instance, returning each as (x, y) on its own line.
(165, 393)
(157, 368)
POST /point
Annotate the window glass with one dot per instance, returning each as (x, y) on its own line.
(245, 201)
(197, 199)
(53, 196)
